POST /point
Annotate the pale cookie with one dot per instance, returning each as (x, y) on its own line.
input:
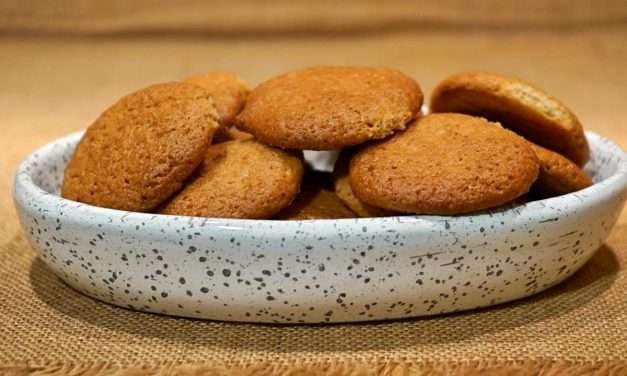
(324, 108)
(316, 203)
(142, 149)
(444, 164)
(240, 179)
(518, 106)
(345, 193)
(230, 133)
(558, 175)
(229, 93)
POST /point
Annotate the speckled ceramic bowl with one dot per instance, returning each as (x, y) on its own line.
(317, 270)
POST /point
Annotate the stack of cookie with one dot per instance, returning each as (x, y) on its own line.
(208, 147)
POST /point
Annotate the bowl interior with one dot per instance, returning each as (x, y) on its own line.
(405, 258)
(46, 166)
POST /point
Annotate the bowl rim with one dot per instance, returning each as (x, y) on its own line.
(25, 189)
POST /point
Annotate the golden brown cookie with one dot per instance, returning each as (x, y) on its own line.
(240, 179)
(444, 164)
(230, 133)
(316, 203)
(518, 106)
(558, 175)
(345, 193)
(141, 149)
(324, 108)
(229, 93)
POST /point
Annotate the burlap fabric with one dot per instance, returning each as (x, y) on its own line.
(45, 322)
(94, 17)
(51, 87)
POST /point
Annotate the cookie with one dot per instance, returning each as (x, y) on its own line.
(558, 175)
(316, 203)
(345, 193)
(240, 179)
(444, 164)
(142, 149)
(518, 106)
(325, 108)
(229, 93)
(230, 133)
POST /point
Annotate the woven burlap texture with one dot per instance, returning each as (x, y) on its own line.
(584, 319)
(272, 16)
(391, 368)
(51, 87)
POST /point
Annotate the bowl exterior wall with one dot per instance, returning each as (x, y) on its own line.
(314, 271)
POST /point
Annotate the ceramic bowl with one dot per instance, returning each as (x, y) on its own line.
(315, 271)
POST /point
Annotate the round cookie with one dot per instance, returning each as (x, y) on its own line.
(558, 175)
(230, 133)
(345, 193)
(325, 108)
(142, 149)
(444, 164)
(518, 106)
(229, 93)
(316, 203)
(240, 179)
